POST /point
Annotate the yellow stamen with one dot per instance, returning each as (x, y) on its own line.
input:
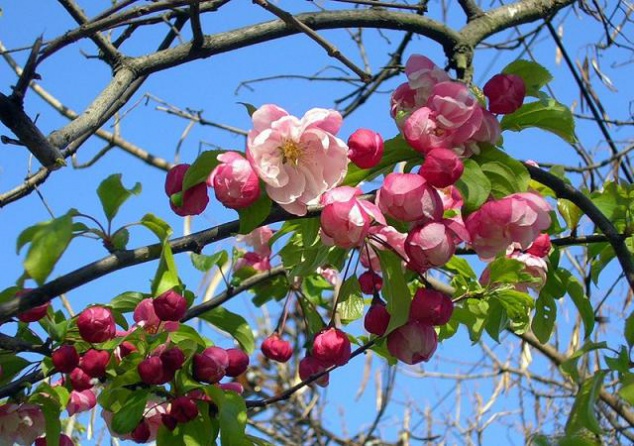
(291, 151)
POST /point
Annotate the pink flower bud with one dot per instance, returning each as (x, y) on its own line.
(370, 282)
(430, 307)
(365, 148)
(141, 433)
(191, 202)
(505, 93)
(35, 313)
(183, 409)
(172, 359)
(428, 246)
(80, 380)
(81, 401)
(210, 366)
(96, 324)
(64, 440)
(170, 306)
(376, 319)
(152, 371)
(441, 168)
(238, 362)
(145, 316)
(540, 247)
(413, 342)
(94, 362)
(235, 183)
(407, 197)
(489, 130)
(276, 348)
(332, 347)
(309, 366)
(65, 358)
(233, 386)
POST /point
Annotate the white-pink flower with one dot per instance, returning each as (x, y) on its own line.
(20, 423)
(258, 239)
(408, 197)
(81, 401)
(298, 159)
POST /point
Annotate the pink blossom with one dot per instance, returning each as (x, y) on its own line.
(366, 148)
(277, 349)
(310, 366)
(430, 307)
(238, 362)
(389, 238)
(370, 282)
(191, 202)
(429, 245)
(489, 130)
(423, 74)
(65, 358)
(413, 342)
(144, 314)
(346, 220)
(518, 218)
(505, 93)
(331, 346)
(258, 239)
(94, 362)
(423, 132)
(235, 183)
(35, 313)
(81, 401)
(377, 318)
(170, 306)
(298, 159)
(540, 247)
(253, 260)
(80, 380)
(454, 105)
(20, 423)
(96, 324)
(441, 168)
(330, 274)
(211, 365)
(407, 197)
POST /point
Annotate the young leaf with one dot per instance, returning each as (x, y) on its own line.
(48, 241)
(232, 415)
(629, 330)
(395, 289)
(474, 186)
(534, 75)
(547, 115)
(199, 171)
(543, 322)
(251, 217)
(232, 323)
(350, 303)
(166, 276)
(113, 194)
(129, 415)
(583, 413)
(158, 226)
(205, 263)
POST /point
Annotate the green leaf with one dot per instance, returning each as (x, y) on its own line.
(497, 320)
(112, 194)
(131, 412)
(48, 241)
(126, 302)
(534, 75)
(395, 150)
(583, 413)
(253, 216)
(516, 304)
(474, 186)
(543, 322)
(547, 115)
(187, 333)
(204, 263)
(569, 366)
(505, 270)
(627, 388)
(157, 226)
(581, 301)
(506, 174)
(11, 366)
(350, 303)
(232, 323)
(120, 239)
(200, 169)
(458, 265)
(52, 418)
(166, 277)
(232, 415)
(629, 330)
(395, 289)
(570, 212)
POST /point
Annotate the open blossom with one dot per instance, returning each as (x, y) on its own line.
(258, 239)
(298, 159)
(390, 239)
(518, 218)
(234, 181)
(345, 220)
(20, 423)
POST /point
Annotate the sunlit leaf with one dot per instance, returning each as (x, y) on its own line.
(547, 115)
(113, 194)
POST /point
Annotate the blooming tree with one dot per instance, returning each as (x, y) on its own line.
(364, 244)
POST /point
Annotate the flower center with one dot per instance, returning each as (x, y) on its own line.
(291, 151)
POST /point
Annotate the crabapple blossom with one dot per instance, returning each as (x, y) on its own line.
(365, 148)
(310, 366)
(94, 362)
(35, 313)
(191, 202)
(505, 93)
(422, 131)
(489, 130)
(145, 315)
(441, 168)
(211, 365)
(153, 371)
(238, 362)
(516, 218)
(330, 274)
(540, 247)
(96, 324)
(258, 239)
(370, 282)
(20, 423)
(298, 159)
(331, 346)
(124, 349)
(235, 183)
(455, 107)
(430, 245)
(408, 197)
(413, 342)
(172, 359)
(345, 220)
(253, 260)
(141, 433)
(183, 409)
(430, 307)
(170, 306)
(389, 238)
(377, 318)
(423, 74)
(277, 349)
(64, 440)
(81, 401)
(65, 358)
(80, 380)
